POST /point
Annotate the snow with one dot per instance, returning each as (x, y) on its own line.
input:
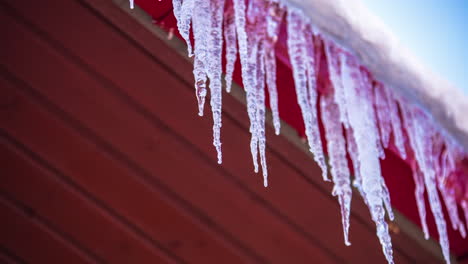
(376, 97)
(355, 28)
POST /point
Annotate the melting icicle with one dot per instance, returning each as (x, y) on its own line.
(231, 46)
(261, 111)
(339, 164)
(183, 15)
(303, 70)
(201, 26)
(448, 195)
(352, 151)
(275, 15)
(452, 208)
(367, 91)
(364, 131)
(396, 123)
(214, 53)
(382, 109)
(419, 136)
(419, 195)
(247, 75)
(464, 205)
(334, 70)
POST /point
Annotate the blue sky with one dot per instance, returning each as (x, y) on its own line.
(436, 31)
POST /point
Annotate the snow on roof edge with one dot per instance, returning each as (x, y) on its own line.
(352, 25)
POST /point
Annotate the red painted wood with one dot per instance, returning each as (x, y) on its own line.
(69, 210)
(115, 185)
(25, 236)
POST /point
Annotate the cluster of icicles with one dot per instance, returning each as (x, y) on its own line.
(359, 114)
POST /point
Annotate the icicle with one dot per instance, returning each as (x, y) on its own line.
(419, 136)
(452, 208)
(334, 71)
(274, 18)
(387, 201)
(448, 195)
(382, 110)
(302, 71)
(214, 68)
(260, 85)
(247, 75)
(367, 90)
(364, 131)
(183, 13)
(311, 71)
(339, 164)
(419, 195)
(352, 151)
(396, 123)
(464, 205)
(201, 32)
(177, 9)
(231, 46)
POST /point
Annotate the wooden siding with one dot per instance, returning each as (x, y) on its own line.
(104, 159)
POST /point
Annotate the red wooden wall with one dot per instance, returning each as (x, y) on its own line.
(104, 160)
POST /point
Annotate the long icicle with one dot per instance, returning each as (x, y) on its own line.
(247, 75)
(184, 19)
(215, 51)
(419, 196)
(298, 54)
(336, 146)
(230, 38)
(201, 26)
(274, 18)
(359, 116)
(419, 136)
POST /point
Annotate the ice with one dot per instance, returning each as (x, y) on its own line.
(230, 38)
(247, 70)
(420, 134)
(214, 69)
(201, 27)
(419, 195)
(336, 146)
(382, 110)
(260, 94)
(184, 19)
(334, 70)
(396, 123)
(364, 131)
(304, 80)
(464, 205)
(274, 18)
(448, 194)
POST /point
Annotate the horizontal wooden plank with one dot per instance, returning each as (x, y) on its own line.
(208, 190)
(27, 237)
(137, 201)
(52, 197)
(7, 257)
